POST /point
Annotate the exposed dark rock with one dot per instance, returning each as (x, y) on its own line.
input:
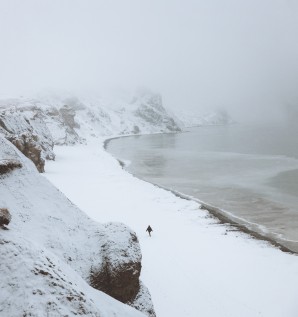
(25, 127)
(113, 251)
(8, 165)
(27, 144)
(5, 216)
(120, 282)
(119, 273)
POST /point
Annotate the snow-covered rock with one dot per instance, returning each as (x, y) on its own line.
(7, 165)
(61, 250)
(51, 249)
(27, 143)
(35, 282)
(119, 274)
(26, 129)
(150, 110)
(5, 216)
(46, 225)
(35, 125)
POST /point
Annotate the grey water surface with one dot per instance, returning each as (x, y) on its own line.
(248, 171)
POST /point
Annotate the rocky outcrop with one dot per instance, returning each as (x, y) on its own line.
(28, 144)
(61, 122)
(119, 273)
(67, 121)
(44, 286)
(25, 128)
(61, 250)
(7, 165)
(152, 112)
(5, 216)
(34, 129)
(35, 125)
(68, 114)
(68, 124)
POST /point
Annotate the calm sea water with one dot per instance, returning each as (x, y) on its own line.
(250, 172)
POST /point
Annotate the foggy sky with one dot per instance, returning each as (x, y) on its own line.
(241, 55)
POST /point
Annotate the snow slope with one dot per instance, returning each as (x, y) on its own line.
(50, 248)
(193, 265)
(37, 123)
(143, 112)
(34, 125)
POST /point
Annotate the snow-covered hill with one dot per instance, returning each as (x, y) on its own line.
(51, 251)
(34, 125)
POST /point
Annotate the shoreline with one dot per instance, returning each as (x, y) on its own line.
(191, 259)
(213, 211)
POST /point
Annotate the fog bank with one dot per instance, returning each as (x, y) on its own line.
(236, 55)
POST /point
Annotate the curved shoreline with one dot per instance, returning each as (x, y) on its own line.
(213, 211)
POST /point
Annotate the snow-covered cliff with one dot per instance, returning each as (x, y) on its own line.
(51, 252)
(34, 125)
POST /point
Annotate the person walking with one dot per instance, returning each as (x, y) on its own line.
(149, 229)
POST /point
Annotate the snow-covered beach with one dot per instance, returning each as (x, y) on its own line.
(236, 181)
(192, 264)
(119, 117)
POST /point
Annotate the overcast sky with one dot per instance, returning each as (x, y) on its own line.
(203, 54)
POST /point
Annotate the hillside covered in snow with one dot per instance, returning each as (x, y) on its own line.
(35, 125)
(54, 259)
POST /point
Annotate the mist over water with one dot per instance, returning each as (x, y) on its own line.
(200, 55)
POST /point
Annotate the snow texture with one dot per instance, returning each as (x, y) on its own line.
(34, 125)
(49, 248)
(192, 264)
